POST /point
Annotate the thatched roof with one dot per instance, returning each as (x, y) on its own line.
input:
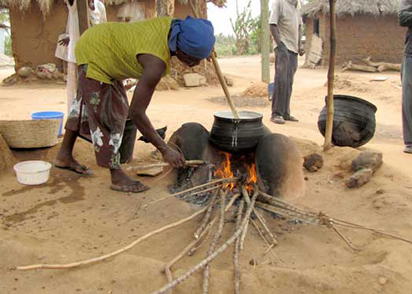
(352, 7)
(46, 5)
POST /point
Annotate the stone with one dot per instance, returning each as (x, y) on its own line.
(382, 280)
(313, 162)
(229, 81)
(367, 159)
(194, 80)
(359, 178)
(24, 71)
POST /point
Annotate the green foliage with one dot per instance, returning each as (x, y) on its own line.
(5, 20)
(7, 46)
(247, 31)
(242, 27)
(225, 45)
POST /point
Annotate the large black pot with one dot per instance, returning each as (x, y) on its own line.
(353, 122)
(237, 135)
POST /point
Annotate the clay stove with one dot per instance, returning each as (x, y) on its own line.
(275, 165)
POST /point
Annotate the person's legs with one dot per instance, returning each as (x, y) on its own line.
(292, 67)
(281, 84)
(107, 109)
(74, 122)
(407, 103)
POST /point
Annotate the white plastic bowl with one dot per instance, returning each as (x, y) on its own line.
(32, 172)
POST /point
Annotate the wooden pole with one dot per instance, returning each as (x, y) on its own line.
(331, 76)
(224, 85)
(220, 74)
(82, 10)
(265, 40)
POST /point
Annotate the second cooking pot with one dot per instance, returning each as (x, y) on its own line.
(237, 135)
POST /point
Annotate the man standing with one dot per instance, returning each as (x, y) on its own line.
(285, 25)
(405, 20)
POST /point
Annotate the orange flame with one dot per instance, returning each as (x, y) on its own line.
(252, 177)
(225, 171)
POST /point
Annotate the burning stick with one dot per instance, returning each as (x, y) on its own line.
(164, 164)
(261, 219)
(216, 238)
(169, 265)
(207, 216)
(212, 222)
(236, 252)
(215, 182)
(247, 199)
(215, 254)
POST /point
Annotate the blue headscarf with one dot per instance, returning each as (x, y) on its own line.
(193, 36)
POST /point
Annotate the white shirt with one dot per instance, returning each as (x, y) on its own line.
(286, 15)
(98, 15)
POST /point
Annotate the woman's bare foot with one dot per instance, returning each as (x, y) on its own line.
(65, 158)
(69, 163)
(121, 182)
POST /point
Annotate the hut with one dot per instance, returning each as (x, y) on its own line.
(36, 24)
(363, 28)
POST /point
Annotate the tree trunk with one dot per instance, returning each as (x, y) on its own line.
(82, 11)
(331, 75)
(165, 7)
(265, 40)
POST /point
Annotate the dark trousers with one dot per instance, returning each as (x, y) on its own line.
(286, 64)
(407, 100)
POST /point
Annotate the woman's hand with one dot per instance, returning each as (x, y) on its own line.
(174, 158)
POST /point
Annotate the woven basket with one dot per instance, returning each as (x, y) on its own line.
(30, 133)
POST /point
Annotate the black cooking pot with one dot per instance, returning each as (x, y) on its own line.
(237, 135)
(353, 122)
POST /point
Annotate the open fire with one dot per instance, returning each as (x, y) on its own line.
(242, 166)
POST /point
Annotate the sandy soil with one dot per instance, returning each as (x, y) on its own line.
(73, 218)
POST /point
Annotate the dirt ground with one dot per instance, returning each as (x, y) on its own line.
(73, 218)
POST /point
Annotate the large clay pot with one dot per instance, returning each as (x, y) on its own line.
(237, 135)
(353, 122)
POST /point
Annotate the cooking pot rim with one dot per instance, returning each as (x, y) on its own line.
(227, 115)
(354, 98)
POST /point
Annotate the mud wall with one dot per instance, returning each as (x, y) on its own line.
(34, 37)
(361, 36)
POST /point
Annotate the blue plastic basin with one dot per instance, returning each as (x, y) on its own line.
(50, 115)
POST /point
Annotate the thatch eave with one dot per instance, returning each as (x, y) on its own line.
(351, 7)
(46, 5)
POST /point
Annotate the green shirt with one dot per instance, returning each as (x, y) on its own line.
(110, 49)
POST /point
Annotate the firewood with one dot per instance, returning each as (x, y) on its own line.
(215, 254)
(207, 216)
(164, 164)
(215, 240)
(194, 243)
(114, 253)
(389, 66)
(358, 67)
(382, 66)
(236, 251)
(262, 221)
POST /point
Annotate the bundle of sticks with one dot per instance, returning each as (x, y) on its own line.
(247, 208)
(370, 66)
